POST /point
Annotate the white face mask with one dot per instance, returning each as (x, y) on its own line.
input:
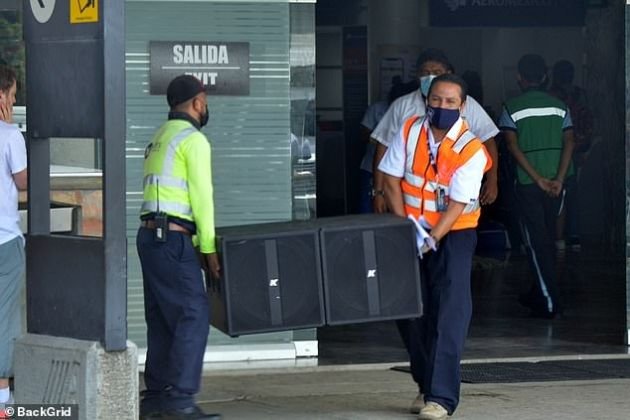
(425, 84)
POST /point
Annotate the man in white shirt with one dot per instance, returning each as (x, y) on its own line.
(432, 63)
(370, 120)
(372, 116)
(433, 172)
(13, 177)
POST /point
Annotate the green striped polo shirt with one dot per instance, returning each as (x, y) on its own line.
(539, 120)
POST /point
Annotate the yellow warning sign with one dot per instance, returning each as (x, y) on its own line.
(83, 11)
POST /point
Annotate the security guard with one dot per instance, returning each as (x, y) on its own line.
(178, 205)
(433, 172)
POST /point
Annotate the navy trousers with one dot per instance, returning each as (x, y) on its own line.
(435, 342)
(177, 316)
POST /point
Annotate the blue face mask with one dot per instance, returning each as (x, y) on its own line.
(442, 118)
(425, 84)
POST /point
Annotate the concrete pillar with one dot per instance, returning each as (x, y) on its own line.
(605, 87)
(627, 155)
(54, 370)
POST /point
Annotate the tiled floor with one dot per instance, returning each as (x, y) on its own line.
(593, 322)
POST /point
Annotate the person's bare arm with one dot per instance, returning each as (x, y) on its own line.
(393, 194)
(490, 188)
(565, 161)
(213, 265)
(21, 180)
(379, 202)
(447, 219)
(512, 144)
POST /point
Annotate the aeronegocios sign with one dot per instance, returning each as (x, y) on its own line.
(507, 13)
(223, 67)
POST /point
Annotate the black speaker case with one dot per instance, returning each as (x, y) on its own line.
(220, 294)
(367, 222)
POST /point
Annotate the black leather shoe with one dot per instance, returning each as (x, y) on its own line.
(541, 313)
(151, 416)
(189, 413)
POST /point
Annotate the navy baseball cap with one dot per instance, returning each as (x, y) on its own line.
(183, 88)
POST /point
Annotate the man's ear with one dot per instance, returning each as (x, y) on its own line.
(198, 104)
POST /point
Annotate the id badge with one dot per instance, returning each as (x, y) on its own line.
(441, 199)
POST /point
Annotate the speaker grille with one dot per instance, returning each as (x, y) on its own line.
(272, 274)
(271, 283)
(370, 273)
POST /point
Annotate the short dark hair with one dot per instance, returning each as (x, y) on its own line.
(451, 78)
(563, 72)
(532, 68)
(433, 54)
(7, 78)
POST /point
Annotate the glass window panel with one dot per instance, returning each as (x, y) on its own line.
(302, 57)
(76, 187)
(12, 46)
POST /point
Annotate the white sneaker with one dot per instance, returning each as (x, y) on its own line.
(433, 411)
(9, 401)
(417, 404)
(3, 406)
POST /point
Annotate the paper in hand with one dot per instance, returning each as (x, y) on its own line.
(424, 241)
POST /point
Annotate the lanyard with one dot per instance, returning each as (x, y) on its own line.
(441, 198)
(433, 157)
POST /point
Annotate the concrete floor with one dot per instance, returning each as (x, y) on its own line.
(379, 393)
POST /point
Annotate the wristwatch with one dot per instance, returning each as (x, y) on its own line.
(376, 193)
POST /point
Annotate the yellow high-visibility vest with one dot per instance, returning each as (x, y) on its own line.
(178, 178)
